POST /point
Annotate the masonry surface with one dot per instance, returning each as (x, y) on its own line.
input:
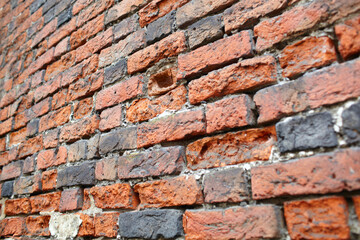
(180, 119)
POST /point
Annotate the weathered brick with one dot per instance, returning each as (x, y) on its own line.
(229, 113)
(215, 55)
(106, 224)
(12, 226)
(110, 118)
(151, 224)
(82, 128)
(62, 47)
(106, 169)
(51, 138)
(320, 218)
(59, 99)
(175, 127)
(48, 180)
(303, 133)
(92, 150)
(83, 174)
(356, 200)
(160, 28)
(145, 109)
(6, 126)
(246, 146)
(71, 199)
(244, 14)
(120, 92)
(37, 226)
(45, 31)
(351, 123)
(162, 82)
(12, 170)
(87, 227)
(45, 202)
(294, 59)
(55, 119)
(55, 69)
(7, 189)
(32, 128)
(164, 161)
(126, 26)
(348, 34)
(80, 5)
(323, 173)
(183, 190)
(323, 87)
(52, 157)
(62, 32)
(83, 108)
(233, 223)
(47, 88)
(29, 164)
(64, 17)
(85, 86)
(122, 9)
(122, 139)
(30, 146)
(2, 144)
(28, 184)
(17, 137)
(91, 28)
(167, 47)
(17, 206)
(226, 186)
(77, 151)
(204, 31)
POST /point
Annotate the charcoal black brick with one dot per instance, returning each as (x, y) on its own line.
(83, 174)
(303, 133)
(151, 224)
(7, 189)
(121, 139)
(160, 28)
(115, 72)
(351, 123)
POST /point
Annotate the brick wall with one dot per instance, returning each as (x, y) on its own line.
(192, 119)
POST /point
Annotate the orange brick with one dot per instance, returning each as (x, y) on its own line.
(92, 27)
(106, 224)
(83, 128)
(348, 34)
(17, 206)
(87, 227)
(49, 158)
(37, 226)
(30, 146)
(12, 227)
(83, 108)
(48, 180)
(55, 119)
(45, 202)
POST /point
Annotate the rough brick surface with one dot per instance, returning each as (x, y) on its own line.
(106, 224)
(45, 202)
(121, 139)
(17, 206)
(77, 130)
(12, 226)
(151, 224)
(322, 173)
(233, 223)
(83, 174)
(71, 199)
(348, 34)
(106, 169)
(246, 146)
(351, 121)
(319, 218)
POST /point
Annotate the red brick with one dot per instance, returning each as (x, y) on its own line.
(55, 119)
(30, 146)
(323, 87)
(246, 13)
(323, 173)
(119, 92)
(12, 227)
(85, 86)
(80, 5)
(82, 128)
(119, 195)
(45, 31)
(175, 127)
(2, 144)
(91, 28)
(246, 146)
(123, 8)
(62, 47)
(87, 201)
(17, 206)
(65, 62)
(39, 109)
(52, 157)
(167, 47)
(294, 58)
(62, 32)
(321, 218)
(158, 8)
(17, 137)
(51, 138)
(71, 199)
(348, 34)
(197, 9)
(59, 99)
(229, 113)
(38, 226)
(47, 88)
(6, 126)
(162, 82)
(106, 224)
(12, 170)
(106, 169)
(356, 200)
(45, 202)
(145, 109)
(94, 45)
(183, 190)
(87, 227)
(48, 180)
(89, 66)
(215, 55)
(251, 222)
(92, 11)
(243, 76)
(110, 118)
(41, 61)
(83, 108)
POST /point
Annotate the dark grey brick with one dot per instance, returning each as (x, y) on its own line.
(49, 15)
(121, 139)
(7, 189)
(33, 127)
(64, 17)
(160, 28)
(205, 30)
(34, 28)
(126, 26)
(83, 174)
(77, 151)
(351, 123)
(36, 5)
(151, 224)
(93, 147)
(49, 4)
(115, 72)
(13, 3)
(61, 6)
(303, 133)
